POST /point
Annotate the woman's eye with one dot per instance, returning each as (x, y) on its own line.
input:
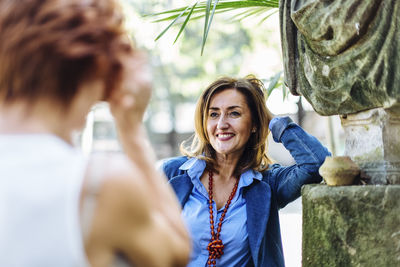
(235, 114)
(213, 114)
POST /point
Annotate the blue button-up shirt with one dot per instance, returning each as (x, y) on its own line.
(234, 234)
(279, 185)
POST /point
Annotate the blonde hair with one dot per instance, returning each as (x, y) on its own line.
(254, 155)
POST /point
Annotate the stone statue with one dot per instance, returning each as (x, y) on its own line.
(343, 56)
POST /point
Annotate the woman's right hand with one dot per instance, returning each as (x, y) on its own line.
(129, 102)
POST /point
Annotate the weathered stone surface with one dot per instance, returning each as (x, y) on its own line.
(343, 56)
(351, 226)
(372, 141)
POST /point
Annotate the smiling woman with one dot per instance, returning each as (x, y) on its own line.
(229, 126)
(248, 98)
(227, 182)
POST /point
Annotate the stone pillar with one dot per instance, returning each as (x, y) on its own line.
(351, 226)
(373, 142)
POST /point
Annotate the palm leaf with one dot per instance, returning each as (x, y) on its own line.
(207, 24)
(186, 21)
(172, 23)
(285, 92)
(223, 4)
(203, 9)
(274, 83)
(269, 15)
(265, 12)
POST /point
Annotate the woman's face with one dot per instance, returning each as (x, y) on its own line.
(229, 122)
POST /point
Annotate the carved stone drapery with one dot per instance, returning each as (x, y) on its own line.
(342, 56)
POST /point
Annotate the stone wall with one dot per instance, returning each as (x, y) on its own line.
(351, 225)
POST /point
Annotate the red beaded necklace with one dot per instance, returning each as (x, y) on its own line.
(216, 247)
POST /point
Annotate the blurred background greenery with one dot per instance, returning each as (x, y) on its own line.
(239, 42)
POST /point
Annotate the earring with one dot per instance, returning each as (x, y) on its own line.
(254, 130)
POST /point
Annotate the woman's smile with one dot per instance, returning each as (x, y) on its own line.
(225, 136)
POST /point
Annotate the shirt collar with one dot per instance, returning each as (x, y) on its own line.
(195, 168)
(248, 176)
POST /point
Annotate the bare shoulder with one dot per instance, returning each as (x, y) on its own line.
(131, 212)
(121, 207)
(121, 184)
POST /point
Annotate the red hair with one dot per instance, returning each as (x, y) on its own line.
(50, 47)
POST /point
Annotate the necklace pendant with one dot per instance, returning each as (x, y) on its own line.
(216, 248)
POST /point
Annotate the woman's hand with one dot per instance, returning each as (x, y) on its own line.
(128, 103)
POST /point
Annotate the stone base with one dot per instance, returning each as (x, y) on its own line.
(372, 141)
(351, 225)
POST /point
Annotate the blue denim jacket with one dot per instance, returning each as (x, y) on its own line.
(279, 186)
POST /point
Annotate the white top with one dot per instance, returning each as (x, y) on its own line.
(41, 178)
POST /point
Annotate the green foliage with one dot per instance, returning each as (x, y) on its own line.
(179, 73)
(275, 82)
(209, 8)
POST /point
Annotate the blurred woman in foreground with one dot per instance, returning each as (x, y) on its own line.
(57, 208)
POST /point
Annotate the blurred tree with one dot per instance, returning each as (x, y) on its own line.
(180, 74)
